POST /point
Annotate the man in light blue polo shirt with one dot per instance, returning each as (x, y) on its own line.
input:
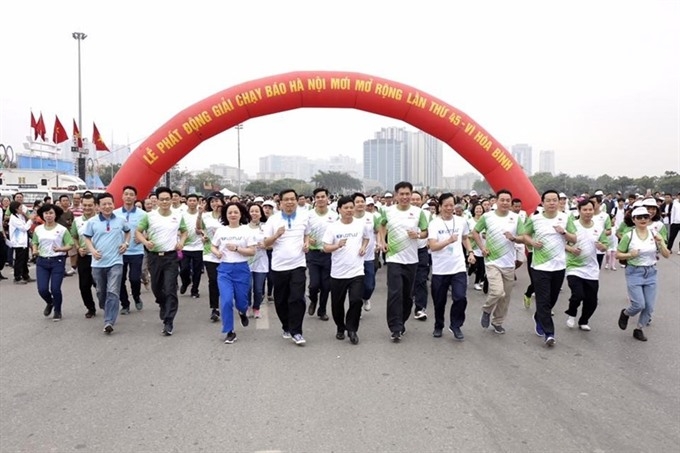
(134, 255)
(107, 237)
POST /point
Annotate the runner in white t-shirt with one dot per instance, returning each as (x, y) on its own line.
(445, 235)
(640, 247)
(347, 240)
(583, 269)
(233, 243)
(547, 233)
(503, 230)
(287, 232)
(401, 227)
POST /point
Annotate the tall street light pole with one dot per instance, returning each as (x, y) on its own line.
(238, 150)
(79, 36)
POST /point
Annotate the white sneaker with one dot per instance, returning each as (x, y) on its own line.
(585, 327)
(606, 266)
(571, 322)
(478, 287)
(70, 272)
(367, 305)
(678, 252)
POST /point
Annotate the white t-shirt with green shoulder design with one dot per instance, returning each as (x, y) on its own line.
(46, 239)
(552, 255)
(647, 247)
(501, 250)
(585, 265)
(400, 248)
(162, 230)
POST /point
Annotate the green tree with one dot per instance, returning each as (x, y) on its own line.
(669, 182)
(337, 182)
(258, 187)
(204, 181)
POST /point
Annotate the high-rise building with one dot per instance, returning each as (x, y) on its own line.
(385, 161)
(424, 160)
(522, 154)
(546, 162)
(399, 155)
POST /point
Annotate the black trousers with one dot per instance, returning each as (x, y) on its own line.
(289, 298)
(86, 281)
(420, 282)
(190, 269)
(585, 291)
(530, 288)
(163, 270)
(547, 285)
(213, 289)
(673, 232)
(319, 268)
(341, 288)
(21, 263)
(400, 278)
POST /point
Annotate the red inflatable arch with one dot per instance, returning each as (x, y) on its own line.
(228, 108)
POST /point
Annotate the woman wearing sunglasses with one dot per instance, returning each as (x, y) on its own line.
(640, 247)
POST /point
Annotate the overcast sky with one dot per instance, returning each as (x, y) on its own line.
(596, 81)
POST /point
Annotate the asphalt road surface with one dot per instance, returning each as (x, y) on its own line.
(65, 386)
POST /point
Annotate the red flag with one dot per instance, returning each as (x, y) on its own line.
(98, 140)
(40, 130)
(34, 125)
(59, 135)
(76, 134)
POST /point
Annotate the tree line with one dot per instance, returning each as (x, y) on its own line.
(669, 182)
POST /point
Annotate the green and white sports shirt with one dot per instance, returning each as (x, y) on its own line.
(552, 255)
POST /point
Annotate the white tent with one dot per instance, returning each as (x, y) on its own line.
(227, 193)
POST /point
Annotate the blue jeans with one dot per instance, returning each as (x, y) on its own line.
(233, 280)
(369, 279)
(50, 272)
(257, 288)
(641, 282)
(108, 280)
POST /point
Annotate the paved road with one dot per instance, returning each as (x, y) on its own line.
(68, 387)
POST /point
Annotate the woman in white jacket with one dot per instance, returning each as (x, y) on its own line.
(18, 238)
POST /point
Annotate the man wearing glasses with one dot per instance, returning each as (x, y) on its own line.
(134, 255)
(287, 232)
(165, 235)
